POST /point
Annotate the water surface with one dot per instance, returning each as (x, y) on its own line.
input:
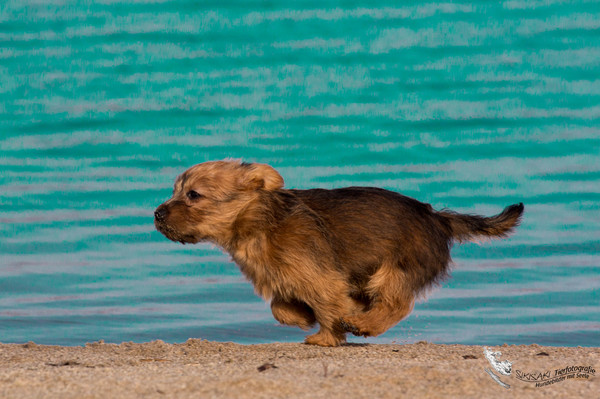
(470, 106)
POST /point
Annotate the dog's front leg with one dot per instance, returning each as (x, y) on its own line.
(293, 313)
(330, 304)
(327, 336)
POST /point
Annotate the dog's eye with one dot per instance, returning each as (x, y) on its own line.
(193, 195)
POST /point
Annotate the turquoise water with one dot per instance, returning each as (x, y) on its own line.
(466, 105)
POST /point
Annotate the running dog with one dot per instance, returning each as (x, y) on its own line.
(350, 259)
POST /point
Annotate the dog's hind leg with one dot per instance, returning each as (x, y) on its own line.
(293, 313)
(392, 300)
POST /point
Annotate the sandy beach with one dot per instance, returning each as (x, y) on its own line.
(203, 369)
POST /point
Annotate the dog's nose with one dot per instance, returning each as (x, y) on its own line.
(160, 213)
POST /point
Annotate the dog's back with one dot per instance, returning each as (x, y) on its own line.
(368, 225)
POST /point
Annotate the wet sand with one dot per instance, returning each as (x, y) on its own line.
(203, 369)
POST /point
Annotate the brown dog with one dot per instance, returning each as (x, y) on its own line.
(351, 259)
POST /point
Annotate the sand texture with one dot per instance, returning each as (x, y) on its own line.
(203, 369)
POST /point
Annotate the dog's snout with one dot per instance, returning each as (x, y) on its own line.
(160, 213)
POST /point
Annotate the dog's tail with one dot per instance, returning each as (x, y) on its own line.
(476, 228)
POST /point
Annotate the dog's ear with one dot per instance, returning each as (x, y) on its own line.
(263, 176)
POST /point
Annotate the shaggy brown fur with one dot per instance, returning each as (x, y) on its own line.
(350, 259)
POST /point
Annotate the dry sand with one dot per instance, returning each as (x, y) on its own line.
(202, 369)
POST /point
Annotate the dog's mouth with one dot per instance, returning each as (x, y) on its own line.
(175, 235)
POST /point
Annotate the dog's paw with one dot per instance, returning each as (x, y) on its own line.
(324, 339)
(303, 324)
(353, 325)
(349, 327)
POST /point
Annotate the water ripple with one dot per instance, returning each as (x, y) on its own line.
(470, 106)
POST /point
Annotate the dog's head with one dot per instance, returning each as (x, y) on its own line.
(209, 197)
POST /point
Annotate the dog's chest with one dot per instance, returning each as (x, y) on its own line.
(252, 256)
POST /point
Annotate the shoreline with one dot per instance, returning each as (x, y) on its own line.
(205, 369)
